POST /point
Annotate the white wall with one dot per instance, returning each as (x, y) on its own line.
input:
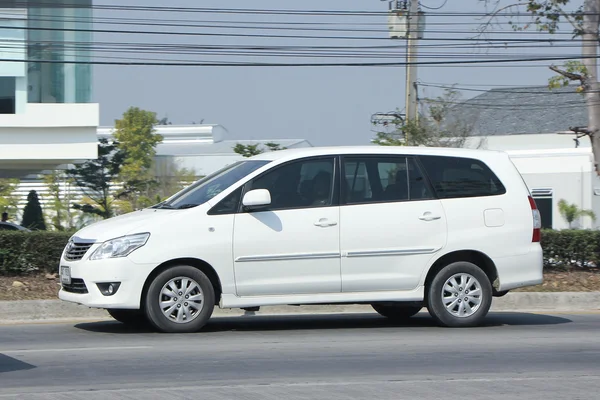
(529, 142)
(48, 134)
(568, 172)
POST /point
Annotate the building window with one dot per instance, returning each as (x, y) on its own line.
(7, 95)
(59, 48)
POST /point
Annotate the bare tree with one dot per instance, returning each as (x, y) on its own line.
(439, 125)
(546, 15)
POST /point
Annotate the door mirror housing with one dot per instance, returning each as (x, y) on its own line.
(256, 198)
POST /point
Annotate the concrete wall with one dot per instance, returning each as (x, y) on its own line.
(47, 135)
(568, 173)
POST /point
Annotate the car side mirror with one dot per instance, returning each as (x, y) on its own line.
(256, 198)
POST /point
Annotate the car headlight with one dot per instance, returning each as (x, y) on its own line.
(120, 247)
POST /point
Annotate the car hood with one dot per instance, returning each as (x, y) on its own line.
(134, 222)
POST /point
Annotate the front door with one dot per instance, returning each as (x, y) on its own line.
(391, 225)
(292, 246)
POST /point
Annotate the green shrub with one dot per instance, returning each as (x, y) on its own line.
(31, 252)
(567, 248)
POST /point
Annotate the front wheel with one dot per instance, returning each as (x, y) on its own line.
(460, 295)
(180, 299)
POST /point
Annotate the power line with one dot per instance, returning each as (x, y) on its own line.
(434, 8)
(257, 64)
(515, 91)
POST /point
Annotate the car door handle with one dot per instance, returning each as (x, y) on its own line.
(428, 216)
(324, 223)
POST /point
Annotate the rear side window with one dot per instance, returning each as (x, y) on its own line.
(372, 179)
(455, 177)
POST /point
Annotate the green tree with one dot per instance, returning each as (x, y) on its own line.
(437, 126)
(164, 121)
(63, 217)
(570, 212)
(33, 217)
(94, 177)
(8, 200)
(547, 16)
(249, 150)
(137, 140)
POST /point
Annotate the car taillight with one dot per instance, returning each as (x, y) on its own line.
(537, 221)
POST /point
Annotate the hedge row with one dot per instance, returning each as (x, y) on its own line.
(35, 252)
(571, 248)
(31, 252)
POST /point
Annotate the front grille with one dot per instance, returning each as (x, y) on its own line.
(76, 251)
(76, 286)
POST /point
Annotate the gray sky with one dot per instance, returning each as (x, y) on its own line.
(325, 105)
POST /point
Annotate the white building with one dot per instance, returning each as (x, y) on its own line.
(46, 114)
(532, 125)
(203, 148)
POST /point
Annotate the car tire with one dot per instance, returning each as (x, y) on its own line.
(129, 317)
(167, 307)
(396, 312)
(460, 295)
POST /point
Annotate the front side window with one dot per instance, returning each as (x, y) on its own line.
(210, 186)
(383, 178)
(300, 184)
(456, 177)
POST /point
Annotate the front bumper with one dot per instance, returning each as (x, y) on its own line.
(130, 275)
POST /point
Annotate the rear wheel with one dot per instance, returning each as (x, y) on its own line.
(129, 317)
(180, 299)
(396, 312)
(460, 295)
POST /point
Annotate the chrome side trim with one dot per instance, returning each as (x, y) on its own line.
(287, 257)
(379, 253)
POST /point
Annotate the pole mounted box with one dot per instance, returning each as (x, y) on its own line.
(398, 24)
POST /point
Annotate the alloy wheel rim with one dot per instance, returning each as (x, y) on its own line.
(462, 295)
(181, 300)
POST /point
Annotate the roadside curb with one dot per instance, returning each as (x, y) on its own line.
(48, 311)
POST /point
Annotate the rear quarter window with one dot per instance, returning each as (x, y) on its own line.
(457, 177)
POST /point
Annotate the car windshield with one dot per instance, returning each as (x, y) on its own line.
(211, 185)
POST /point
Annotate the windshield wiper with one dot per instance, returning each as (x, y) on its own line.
(189, 205)
(163, 205)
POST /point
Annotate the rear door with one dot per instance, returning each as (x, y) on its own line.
(391, 224)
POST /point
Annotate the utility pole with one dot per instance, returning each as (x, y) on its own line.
(407, 22)
(411, 58)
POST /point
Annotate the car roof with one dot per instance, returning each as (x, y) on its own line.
(291, 154)
(15, 225)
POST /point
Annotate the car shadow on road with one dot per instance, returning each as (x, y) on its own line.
(9, 364)
(329, 321)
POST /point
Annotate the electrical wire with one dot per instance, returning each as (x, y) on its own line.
(434, 8)
(446, 49)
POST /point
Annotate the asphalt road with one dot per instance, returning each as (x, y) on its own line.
(360, 356)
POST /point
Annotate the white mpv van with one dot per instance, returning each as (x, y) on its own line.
(396, 227)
